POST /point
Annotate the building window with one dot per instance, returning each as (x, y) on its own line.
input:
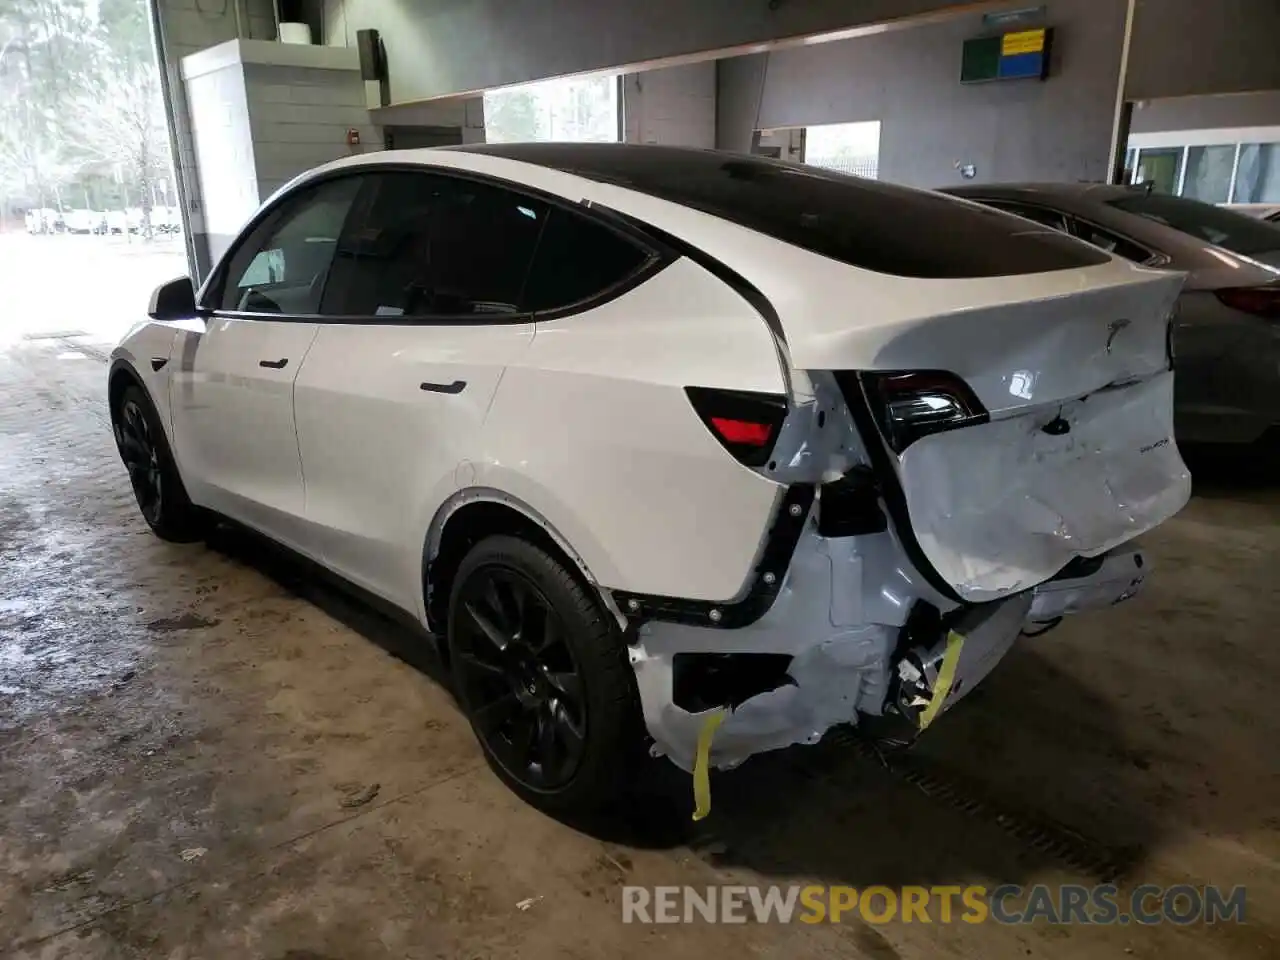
(1162, 167)
(1209, 173)
(577, 109)
(1258, 173)
(1211, 166)
(845, 147)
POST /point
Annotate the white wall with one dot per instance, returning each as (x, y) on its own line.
(187, 27)
(224, 165)
(299, 118)
(261, 114)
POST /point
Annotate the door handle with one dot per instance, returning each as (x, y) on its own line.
(274, 364)
(157, 363)
(456, 387)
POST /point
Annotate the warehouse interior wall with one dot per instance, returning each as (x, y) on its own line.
(444, 47)
(1261, 109)
(1186, 48)
(675, 106)
(893, 61)
(739, 85)
(932, 126)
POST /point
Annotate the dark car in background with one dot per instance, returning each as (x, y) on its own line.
(1226, 338)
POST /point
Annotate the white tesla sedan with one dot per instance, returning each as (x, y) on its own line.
(736, 448)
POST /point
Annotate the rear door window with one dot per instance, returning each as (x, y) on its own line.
(434, 246)
(1112, 242)
(864, 223)
(578, 260)
(1049, 218)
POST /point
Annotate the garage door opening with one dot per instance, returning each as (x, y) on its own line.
(845, 147)
(577, 109)
(86, 174)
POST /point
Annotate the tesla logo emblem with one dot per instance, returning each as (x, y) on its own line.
(1113, 328)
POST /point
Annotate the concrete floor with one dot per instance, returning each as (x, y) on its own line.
(186, 734)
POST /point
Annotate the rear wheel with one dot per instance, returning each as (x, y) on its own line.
(542, 674)
(152, 472)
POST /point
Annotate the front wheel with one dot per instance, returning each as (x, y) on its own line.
(152, 472)
(543, 676)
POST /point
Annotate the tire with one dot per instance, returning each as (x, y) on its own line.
(577, 634)
(157, 486)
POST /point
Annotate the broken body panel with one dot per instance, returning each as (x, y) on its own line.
(1013, 518)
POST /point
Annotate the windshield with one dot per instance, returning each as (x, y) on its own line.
(1224, 228)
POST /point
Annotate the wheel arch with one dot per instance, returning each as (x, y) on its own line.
(120, 377)
(468, 516)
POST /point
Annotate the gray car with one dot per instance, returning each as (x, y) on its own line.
(1226, 340)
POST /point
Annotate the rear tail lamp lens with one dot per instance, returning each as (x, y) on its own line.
(745, 423)
(908, 405)
(1260, 301)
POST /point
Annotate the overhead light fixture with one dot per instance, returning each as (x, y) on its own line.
(1007, 18)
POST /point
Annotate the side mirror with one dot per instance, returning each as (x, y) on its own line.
(175, 300)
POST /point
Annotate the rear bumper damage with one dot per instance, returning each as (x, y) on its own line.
(812, 662)
(1090, 584)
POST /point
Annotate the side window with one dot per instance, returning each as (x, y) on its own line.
(281, 266)
(576, 260)
(427, 245)
(1050, 218)
(1112, 243)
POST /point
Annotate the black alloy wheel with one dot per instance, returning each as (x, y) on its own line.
(157, 486)
(141, 458)
(518, 677)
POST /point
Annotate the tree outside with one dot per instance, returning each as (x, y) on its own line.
(82, 124)
(582, 109)
(852, 148)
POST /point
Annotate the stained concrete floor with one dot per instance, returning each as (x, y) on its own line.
(191, 738)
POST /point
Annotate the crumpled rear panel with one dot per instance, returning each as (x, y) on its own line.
(1003, 506)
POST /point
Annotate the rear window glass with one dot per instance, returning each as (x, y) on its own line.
(1223, 228)
(860, 222)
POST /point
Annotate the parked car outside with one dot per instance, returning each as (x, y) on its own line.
(86, 221)
(166, 219)
(661, 450)
(44, 220)
(1226, 338)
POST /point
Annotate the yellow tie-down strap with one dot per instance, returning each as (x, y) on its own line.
(946, 676)
(702, 763)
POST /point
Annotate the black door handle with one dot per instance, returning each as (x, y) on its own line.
(157, 363)
(274, 364)
(456, 387)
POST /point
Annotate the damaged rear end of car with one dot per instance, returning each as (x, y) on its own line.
(967, 451)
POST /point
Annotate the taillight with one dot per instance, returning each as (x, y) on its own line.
(1260, 301)
(912, 404)
(745, 423)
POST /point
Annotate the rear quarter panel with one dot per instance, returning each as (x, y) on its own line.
(592, 428)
